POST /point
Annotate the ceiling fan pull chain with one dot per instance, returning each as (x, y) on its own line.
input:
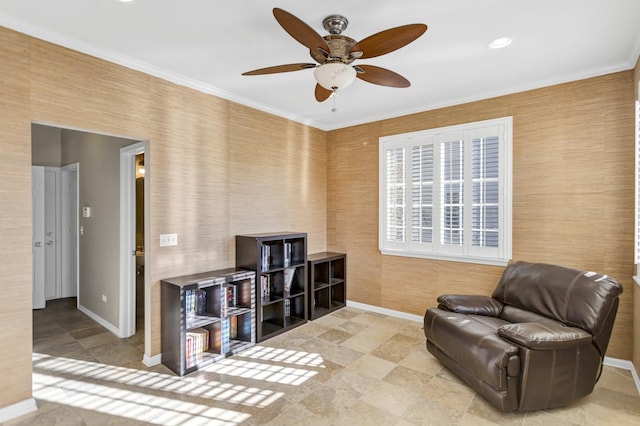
(334, 109)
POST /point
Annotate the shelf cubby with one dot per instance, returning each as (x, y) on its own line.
(206, 317)
(327, 283)
(275, 258)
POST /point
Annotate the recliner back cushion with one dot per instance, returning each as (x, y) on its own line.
(574, 297)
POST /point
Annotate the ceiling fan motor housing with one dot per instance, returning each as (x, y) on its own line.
(335, 24)
(339, 47)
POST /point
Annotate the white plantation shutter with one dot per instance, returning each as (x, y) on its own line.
(422, 181)
(452, 193)
(395, 197)
(485, 192)
(446, 193)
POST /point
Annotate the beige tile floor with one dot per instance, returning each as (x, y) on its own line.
(351, 367)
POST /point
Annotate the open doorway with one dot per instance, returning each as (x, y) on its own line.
(140, 173)
(93, 159)
(132, 249)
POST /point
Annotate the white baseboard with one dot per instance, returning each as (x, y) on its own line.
(625, 365)
(613, 362)
(385, 311)
(97, 318)
(150, 361)
(18, 409)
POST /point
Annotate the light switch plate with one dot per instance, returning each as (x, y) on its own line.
(167, 240)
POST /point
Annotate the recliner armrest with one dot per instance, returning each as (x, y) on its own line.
(544, 336)
(470, 304)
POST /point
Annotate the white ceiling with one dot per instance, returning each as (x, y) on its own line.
(207, 44)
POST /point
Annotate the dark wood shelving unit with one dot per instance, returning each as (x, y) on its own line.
(277, 259)
(327, 283)
(216, 307)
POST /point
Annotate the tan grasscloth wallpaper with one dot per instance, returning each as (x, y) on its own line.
(573, 196)
(217, 169)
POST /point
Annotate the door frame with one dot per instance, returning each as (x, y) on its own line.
(128, 238)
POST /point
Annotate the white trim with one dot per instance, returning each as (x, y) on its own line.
(86, 130)
(18, 409)
(625, 365)
(127, 318)
(150, 361)
(445, 257)
(103, 322)
(385, 311)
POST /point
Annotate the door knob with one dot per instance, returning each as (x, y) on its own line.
(49, 242)
(38, 244)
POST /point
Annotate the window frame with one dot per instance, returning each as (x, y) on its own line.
(466, 252)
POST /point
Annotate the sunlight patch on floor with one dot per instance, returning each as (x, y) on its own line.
(147, 380)
(150, 396)
(139, 406)
(286, 356)
(259, 371)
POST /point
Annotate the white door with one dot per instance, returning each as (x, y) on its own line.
(37, 200)
(52, 273)
(45, 197)
(69, 230)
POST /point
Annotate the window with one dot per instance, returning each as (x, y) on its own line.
(446, 193)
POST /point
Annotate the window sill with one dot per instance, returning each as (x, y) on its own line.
(448, 258)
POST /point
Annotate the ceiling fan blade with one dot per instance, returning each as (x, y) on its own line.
(322, 94)
(300, 31)
(389, 40)
(382, 76)
(280, 68)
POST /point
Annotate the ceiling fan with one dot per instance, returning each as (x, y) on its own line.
(335, 52)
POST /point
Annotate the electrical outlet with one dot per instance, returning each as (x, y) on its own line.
(167, 240)
(104, 298)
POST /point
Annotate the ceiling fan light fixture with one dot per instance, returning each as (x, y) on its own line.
(334, 76)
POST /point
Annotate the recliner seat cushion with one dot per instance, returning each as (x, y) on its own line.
(472, 341)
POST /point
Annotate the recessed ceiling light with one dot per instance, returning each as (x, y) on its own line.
(499, 43)
(127, 1)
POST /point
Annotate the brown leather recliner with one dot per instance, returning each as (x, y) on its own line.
(538, 342)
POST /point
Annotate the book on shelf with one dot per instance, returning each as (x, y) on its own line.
(197, 342)
(287, 254)
(195, 302)
(201, 302)
(288, 279)
(229, 298)
(287, 308)
(265, 286)
(265, 257)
